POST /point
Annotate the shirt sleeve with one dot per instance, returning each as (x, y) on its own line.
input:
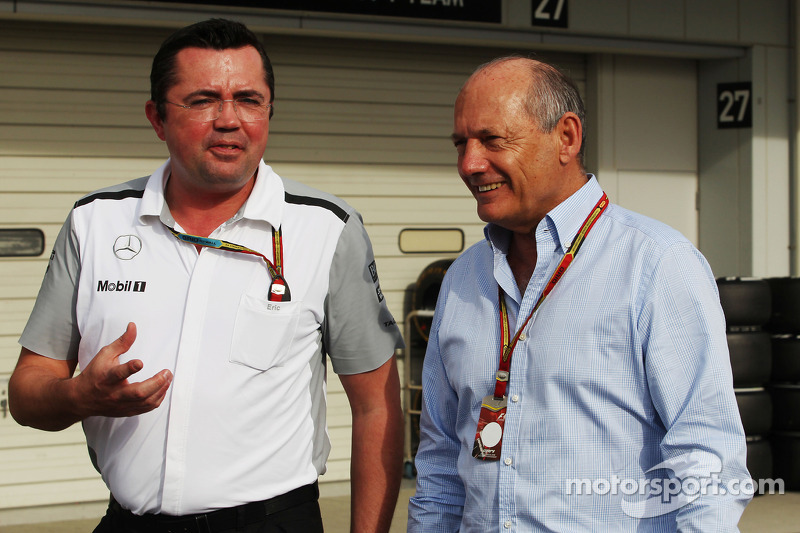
(691, 384)
(359, 332)
(52, 328)
(438, 504)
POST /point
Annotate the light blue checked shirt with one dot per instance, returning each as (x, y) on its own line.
(624, 367)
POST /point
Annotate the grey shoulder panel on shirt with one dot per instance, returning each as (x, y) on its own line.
(300, 194)
(51, 329)
(130, 189)
(359, 332)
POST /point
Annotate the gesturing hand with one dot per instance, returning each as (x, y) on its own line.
(103, 385)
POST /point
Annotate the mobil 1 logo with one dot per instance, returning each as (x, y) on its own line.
(550, 13)
(735, 105)
(121, 286)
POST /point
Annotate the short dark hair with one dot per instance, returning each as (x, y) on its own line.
(214, 34)
(551, 93)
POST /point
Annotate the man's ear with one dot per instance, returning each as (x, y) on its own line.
(151, 110)
(570, 136)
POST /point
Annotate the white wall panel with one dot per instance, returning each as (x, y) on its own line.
(745, 22)
(646, 138)
(53, 493)
(745, 173)
(724, 180)
(764, 22)
(13, 436)
(712, 20)
(77, 176)
(656, 104)
(666, 196)
(657, 19)
(612, 19)
(770, 181)
(9, 352)
(21, 277)
(13, 315)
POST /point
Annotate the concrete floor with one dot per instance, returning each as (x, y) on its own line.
(773, 513)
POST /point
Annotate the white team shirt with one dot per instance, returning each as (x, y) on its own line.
(244, 419)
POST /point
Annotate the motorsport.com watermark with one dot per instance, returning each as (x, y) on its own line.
(696, 475)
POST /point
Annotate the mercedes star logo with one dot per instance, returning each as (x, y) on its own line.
(126, 247)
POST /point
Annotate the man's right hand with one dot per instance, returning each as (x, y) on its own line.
(43, 394)
(104, 388)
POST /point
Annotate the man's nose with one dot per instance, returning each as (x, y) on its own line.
(472, 159)
(227, 115)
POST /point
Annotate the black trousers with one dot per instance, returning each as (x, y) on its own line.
(294, 512)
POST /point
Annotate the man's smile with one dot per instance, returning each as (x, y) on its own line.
(489, 187)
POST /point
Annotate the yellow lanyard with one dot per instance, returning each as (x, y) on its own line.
(278, 289)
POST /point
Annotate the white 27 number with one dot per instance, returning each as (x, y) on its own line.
(542, 14)
(730, 98)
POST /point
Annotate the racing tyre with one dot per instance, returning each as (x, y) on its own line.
(785, 407)
(759, 458)
(425, 294)
(786, 358)
(745, 301)
(755, 408)
(786, 458)
(785, 305)
(751, 357)
(429, 281)
(423, 298)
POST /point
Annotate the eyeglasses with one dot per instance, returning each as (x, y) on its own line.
(208, 109)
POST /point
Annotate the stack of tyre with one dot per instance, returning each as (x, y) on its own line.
(424, 294)
(785, 381)
(747, 306)
(421, 296)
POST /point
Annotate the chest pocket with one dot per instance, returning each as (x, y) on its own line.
(263, 332)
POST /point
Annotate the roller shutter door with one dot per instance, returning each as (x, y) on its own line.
(368, 121)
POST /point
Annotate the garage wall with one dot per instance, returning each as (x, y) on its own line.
(746, 175)
(645, 138)
(368, 121)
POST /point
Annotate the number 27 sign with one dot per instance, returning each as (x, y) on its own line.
(735, 105)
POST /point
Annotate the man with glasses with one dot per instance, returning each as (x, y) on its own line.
(229, 286)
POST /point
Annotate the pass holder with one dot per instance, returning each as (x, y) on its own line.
(491, 423)
(279, 290)
(489, 436)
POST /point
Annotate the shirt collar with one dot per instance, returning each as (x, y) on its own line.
(266, 200)
(563, 221)
(153, 203)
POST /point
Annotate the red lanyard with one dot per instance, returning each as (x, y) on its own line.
(278, 289)
(507, 346)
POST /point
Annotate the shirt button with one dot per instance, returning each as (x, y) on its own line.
(515, 398)
(522, 337)
(507, 524)
(508, 461)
